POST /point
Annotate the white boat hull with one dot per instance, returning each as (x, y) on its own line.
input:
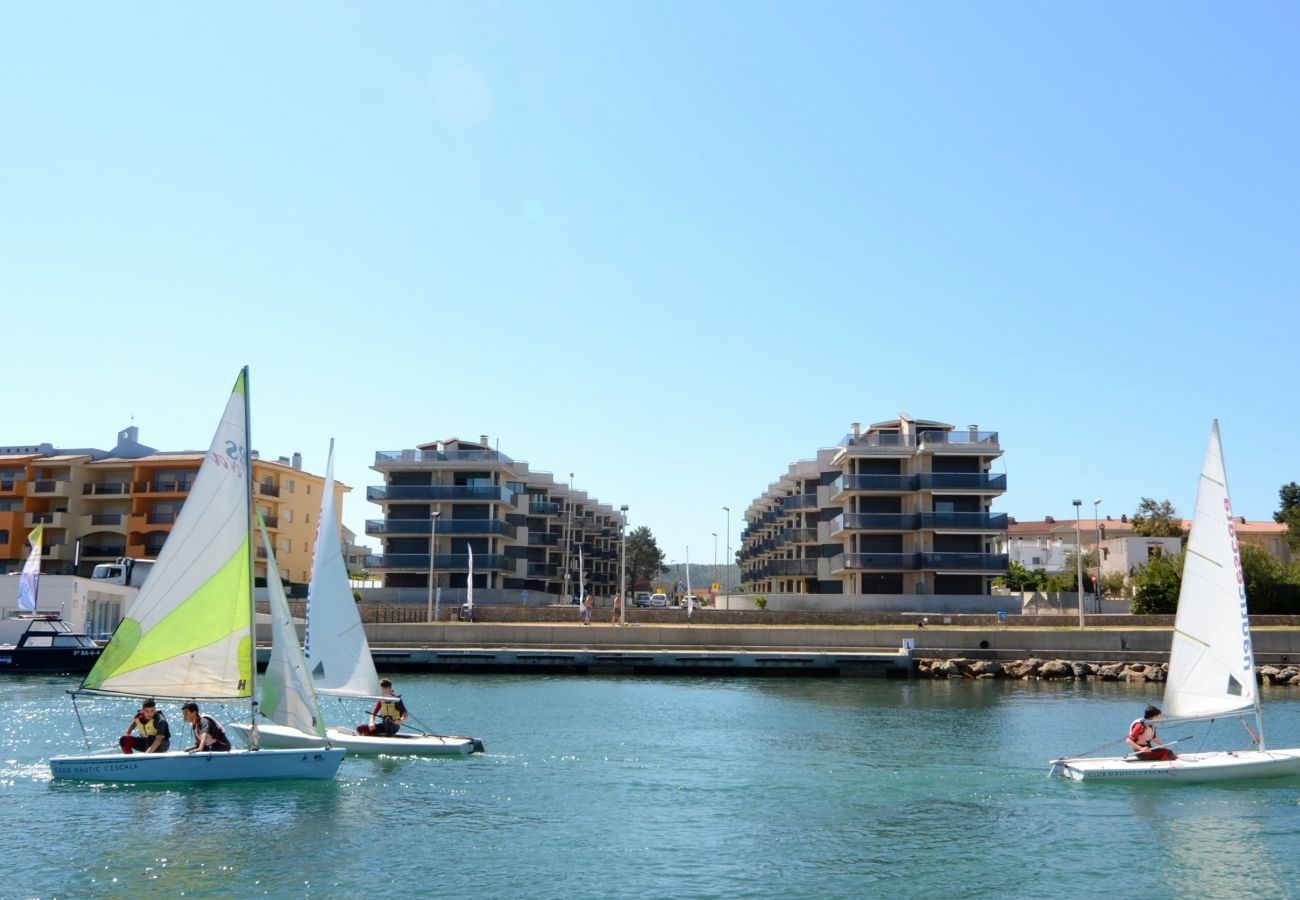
(358, 744)
(1187, 768)
(177, 765)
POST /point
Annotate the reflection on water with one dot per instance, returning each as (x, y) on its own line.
(635, 787)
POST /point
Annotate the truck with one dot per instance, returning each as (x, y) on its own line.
(123, 570)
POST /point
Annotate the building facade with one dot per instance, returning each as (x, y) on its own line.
(445, 501)
(98, 505)
(901, 508)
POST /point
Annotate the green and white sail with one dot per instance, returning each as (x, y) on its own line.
(287, 696)
(188, 634)
(338, 654)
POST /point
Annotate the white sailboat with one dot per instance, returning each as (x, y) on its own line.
(189, 635)
(1211, 661)
(338, 657)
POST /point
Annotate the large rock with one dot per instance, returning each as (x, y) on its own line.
(1026, 668)
(1084, 670)
(956, 668)
(986, 668)
(1057, 668)
(1111, 672)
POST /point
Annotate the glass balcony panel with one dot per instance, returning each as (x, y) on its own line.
(972, 520)
(961, 481)
(881, 561)
(981, 562)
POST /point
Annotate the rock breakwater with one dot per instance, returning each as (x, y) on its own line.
(1066, 670)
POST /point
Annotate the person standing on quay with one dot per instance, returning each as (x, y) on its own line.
(587, 603)
(618, 608)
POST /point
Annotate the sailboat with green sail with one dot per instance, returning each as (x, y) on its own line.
(189, 633)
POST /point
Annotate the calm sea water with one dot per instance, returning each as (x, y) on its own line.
(630, 787)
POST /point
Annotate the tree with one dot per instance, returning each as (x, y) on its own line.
(1289, 514)
(644, 558)
(1018, 578)
(1154, 519)
(1270, 589)
(1156, 586)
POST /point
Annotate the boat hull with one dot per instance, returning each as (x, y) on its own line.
(1187, 768)
(47, 660)
(236, 765)
(357, 744)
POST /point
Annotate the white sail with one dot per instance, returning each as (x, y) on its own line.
(287, 696)
(188, 634)
(1211, 663)
(338, 655)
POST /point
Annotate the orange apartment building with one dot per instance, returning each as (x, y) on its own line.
(99, 505)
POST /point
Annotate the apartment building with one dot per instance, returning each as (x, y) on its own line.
(903, 507)
(98, 505)
(525, 530)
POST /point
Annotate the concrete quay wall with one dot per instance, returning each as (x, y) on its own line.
(1150, 644)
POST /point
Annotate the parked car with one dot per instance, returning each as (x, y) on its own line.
(693, 600)
(658, 600)
(642, 598)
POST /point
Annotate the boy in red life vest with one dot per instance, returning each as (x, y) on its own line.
(1142, 734)
(388, 715)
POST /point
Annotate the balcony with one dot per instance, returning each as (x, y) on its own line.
(101, 490)
(876, 562)
(400, 459)
(542, 539)
(386, 492)
(160, 518)
(962, 481)
(979, 562)
(266, 489)
(272, 522)
(979, 441)
(964, 521)
(164, 486)
(542, 570)
(871, 484)
(49, 519)
(442, 562)
(874, 522)
(543, 508)
(799, 501)
(98, 520)
(477, 526)
(797, 536)
(51, 487)
(97, 551)
(790, 567)
(9, 485)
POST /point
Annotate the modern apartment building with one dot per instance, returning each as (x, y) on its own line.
(525, 530)
(901, 508)
(98, 505)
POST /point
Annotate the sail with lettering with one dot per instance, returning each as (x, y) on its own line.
(1211, 663)
(189, 632)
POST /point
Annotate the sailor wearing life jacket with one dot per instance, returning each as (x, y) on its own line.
(209, 736)
(389, 712)
(1142, 733)
(154, 733)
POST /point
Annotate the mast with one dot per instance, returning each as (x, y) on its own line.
(252, 570)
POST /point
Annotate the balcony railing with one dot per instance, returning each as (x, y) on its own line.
(164, 486)
(442, 562)
(445, 526)
(875, 441)
(101, 489)
(874, 522)
(542, 539)
(961, 481)
(60, 486)
(7, 484)
(868, 484)
(106, 519)
(113, 551)
(271, 521)
(396, 457)
(975, 521)
(790, 567)
(982, 562)
(798, 536)
(543, 508)
(895, 562)
(799, 501)
(267, 489)
(542, 570)
(380, 493)
(160, 518)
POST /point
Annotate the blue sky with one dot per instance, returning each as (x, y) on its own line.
(669, 247)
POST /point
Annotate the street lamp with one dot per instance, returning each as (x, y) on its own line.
(727, 509)
(622, 566)
(1078, 556)
(1096, 521)
(433, 546)
(715, 556)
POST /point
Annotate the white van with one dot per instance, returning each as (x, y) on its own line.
(658, 600)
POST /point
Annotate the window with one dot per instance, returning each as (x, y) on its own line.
(291, 485)
(306, 518)
(288, 516)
